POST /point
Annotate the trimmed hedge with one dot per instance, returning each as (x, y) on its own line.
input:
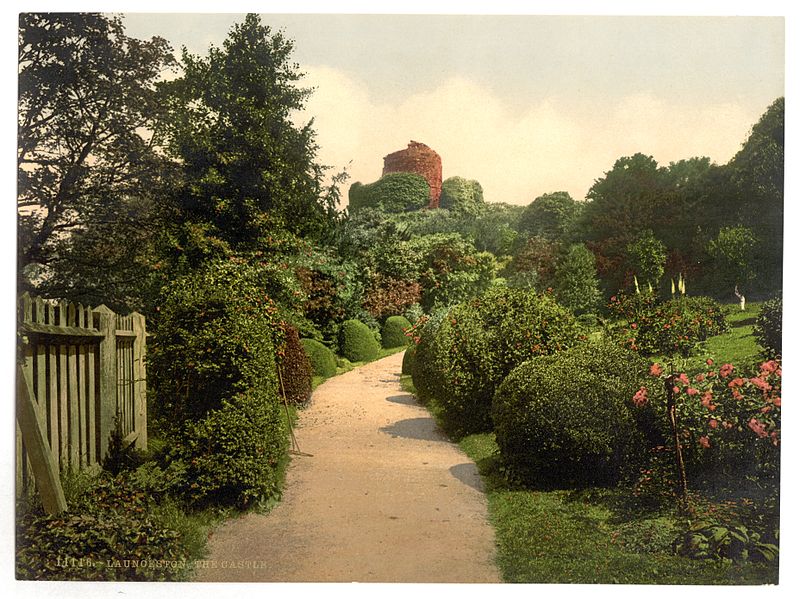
(295, 368)
(567, 420)
(478, 343)
(357, 342)
(323, 360)
(212, 369)
(393, 332)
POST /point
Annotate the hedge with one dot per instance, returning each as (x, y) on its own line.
(393, 332)
(357, 342)
(323, 360)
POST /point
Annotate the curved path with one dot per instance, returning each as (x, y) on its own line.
(384, 497)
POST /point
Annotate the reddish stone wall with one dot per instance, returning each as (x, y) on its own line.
(420, 159)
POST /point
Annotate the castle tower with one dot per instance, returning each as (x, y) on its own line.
(419, 159)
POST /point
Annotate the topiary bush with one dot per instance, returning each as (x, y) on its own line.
(356, 342)
(479, 342)
(323, 360)
(394, 330)
(408, 360)
(567, 420)
(769, 327)
(295, 368)
(213, 373)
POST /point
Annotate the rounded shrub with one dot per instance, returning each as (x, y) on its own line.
(323, 360)
(357, 342)
(213, 373)
(408, 360)
(567, 419)
(295, 368)
(769, 327)
(394, 330)
(479, 342)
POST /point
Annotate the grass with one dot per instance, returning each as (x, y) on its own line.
(592, 536)
(737, 346)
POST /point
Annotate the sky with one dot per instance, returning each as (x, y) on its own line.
(524, 104)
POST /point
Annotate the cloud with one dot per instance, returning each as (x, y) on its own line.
(516, 155)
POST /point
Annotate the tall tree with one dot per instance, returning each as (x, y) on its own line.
(757, 171)
(249, 170)
(88, 127)
(631, 197)
(552, 216)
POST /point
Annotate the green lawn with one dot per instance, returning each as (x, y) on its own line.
(590, 536)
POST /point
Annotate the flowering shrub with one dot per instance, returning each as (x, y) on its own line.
(730, 422)
(672, 327)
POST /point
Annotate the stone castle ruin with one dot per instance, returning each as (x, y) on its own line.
(419, 159)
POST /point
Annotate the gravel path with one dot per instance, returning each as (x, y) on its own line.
(385, 497)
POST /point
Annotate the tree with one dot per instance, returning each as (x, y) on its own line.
(89, 123)
(551, 216)
(462, 196)
(576, 285)
(249, 171)
(635, 194)
(757, 171)
(647, 256)
(732, 253)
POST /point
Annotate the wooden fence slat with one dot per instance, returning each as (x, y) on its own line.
(107, 372)
(80, 400)
(44, 467)
(140, 379)
(27, 365)
(63, 406)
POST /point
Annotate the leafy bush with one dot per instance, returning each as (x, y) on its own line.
(387, 296)
(356, 342)
(333, 289)
(394, 332)
(395, 192)
(567, 419)
(575, 281)
(424, 367)
(672, 327)
(479, 342)
(550, 216)
(233, 455)
(323, 360)
(295, 368)
(104, 535)
(451, 269)
(408, 360)
(212, 364)
(769, 327)
(462, 196)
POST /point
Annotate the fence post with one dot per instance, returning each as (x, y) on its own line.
(139, 380)
(45, 469)
(108, 376)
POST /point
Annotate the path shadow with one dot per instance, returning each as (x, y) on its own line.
(406, 399)
(423, 429)
(467, 473)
